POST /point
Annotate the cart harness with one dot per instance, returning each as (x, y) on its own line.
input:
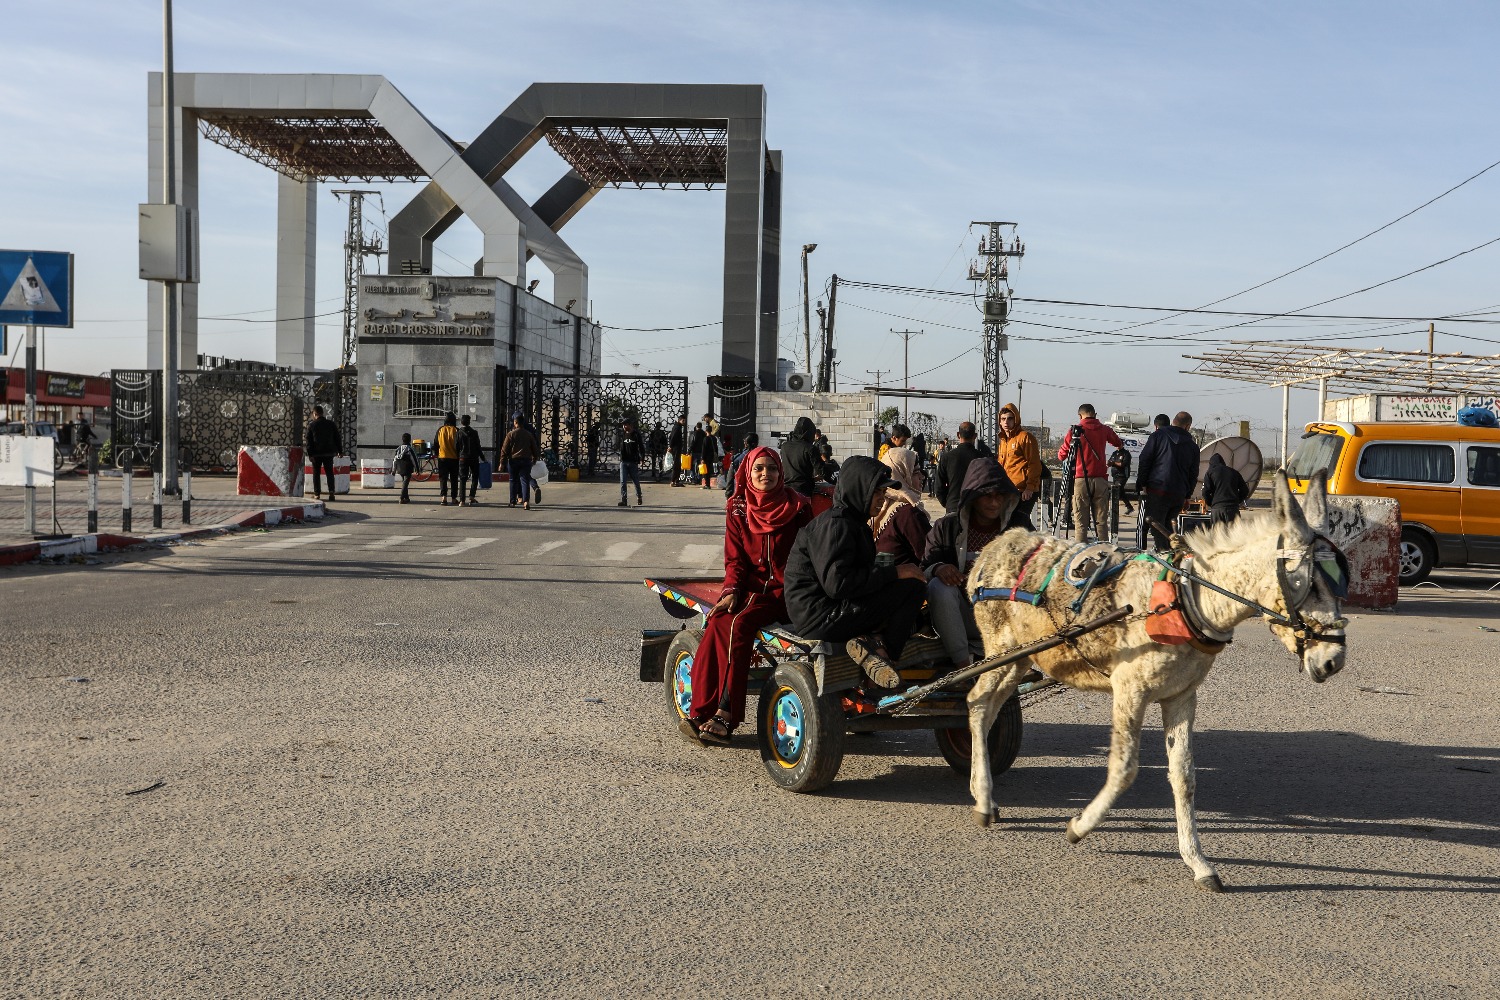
(1095, 566)
(1294, 584)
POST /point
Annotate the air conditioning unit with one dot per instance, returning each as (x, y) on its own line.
(799, 382)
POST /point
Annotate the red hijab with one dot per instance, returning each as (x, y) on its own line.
(767, 511)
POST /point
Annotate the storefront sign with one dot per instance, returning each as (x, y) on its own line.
(67, 386)
(1436, 409)
(427, 306)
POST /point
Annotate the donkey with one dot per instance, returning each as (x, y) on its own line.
(1272, 559)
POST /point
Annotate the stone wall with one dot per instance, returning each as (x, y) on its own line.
(847, 419)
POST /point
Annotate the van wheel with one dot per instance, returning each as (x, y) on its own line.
(1418, 557)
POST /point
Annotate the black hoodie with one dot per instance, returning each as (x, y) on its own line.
(1223, 484)
(833, 559)
(800, 457)
(948, 541)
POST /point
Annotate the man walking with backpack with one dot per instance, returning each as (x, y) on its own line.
(632, 451)
(470, 454)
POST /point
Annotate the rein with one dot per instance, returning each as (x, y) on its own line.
(1303, 631)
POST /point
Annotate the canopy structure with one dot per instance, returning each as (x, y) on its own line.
(1347, 369)
(328, 146)
(1351, 369)
(642, 152)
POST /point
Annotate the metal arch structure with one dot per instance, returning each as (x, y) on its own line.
(641, 135)
(317, 127)
(1346, 369)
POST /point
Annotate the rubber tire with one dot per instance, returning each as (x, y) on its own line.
(822, 728)
(684, 643)
(1417, 545)
(1004, 742)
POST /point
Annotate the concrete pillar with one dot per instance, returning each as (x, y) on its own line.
(743, 207)
(1322, 397)
(296, 271)
(1286, 419)
(770, 274)
(505, 252)
(570, 285)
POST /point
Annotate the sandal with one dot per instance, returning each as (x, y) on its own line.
(689, 730)
(872, 660)
(719, 736)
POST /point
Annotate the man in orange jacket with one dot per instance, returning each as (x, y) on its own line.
(1021, 459)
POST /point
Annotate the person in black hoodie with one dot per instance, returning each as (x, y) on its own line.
(695, 447)
(986, 502)
(632, 451)
(1224, 490)
(834, 589)
(800, 456)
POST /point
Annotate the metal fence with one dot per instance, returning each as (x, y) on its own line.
(578, 417)
(218, 411)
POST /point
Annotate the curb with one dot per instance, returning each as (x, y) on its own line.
(25, 552)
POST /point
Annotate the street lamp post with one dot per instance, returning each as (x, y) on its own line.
(807, 248)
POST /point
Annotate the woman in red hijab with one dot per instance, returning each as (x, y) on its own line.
(761, 522)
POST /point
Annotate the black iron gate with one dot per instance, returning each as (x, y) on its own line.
(217, 411)
(578, 417)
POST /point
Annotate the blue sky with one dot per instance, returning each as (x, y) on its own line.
(1153, 153)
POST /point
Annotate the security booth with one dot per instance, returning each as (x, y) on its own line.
(430, 345)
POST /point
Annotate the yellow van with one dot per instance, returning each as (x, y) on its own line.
(1445, 476)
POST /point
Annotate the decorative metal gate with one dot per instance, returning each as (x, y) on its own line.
(218, 411)
(578, 417)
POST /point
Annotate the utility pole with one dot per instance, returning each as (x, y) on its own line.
(825, 366)
(877, 372)
(906, 336)
(357, 247)
(807, 248)
(995, 252)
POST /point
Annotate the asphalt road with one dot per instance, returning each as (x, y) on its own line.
(404, 752)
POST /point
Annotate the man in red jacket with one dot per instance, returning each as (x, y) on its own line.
(1090, 471)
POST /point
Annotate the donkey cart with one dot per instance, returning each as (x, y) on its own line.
(809, 694)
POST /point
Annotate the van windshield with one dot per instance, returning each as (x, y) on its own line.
(1317, 451)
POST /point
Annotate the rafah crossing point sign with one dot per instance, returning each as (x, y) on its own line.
(36, 288)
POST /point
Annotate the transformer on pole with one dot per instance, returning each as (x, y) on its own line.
(357, 246)
(993, 268)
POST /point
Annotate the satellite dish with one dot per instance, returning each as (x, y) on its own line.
(1240, 454)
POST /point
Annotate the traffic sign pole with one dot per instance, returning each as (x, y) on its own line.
(30, 525)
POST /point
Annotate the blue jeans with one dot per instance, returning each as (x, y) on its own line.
(521, 483)
(953, 616)
(630, 472)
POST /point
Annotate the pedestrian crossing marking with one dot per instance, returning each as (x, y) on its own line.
(702, 555)
(621, 551)
(392, 542)
(546, 547)
(463, 546)
(299, 540)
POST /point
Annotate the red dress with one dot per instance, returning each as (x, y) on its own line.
(754, 565)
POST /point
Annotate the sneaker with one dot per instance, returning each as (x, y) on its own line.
(622, 503)
(876, 667)
(536, 494)
(639, 501)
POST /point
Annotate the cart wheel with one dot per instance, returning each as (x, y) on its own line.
(801, 734)
(678, 672)
(957, 746)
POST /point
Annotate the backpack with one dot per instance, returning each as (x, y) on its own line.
(405, 464)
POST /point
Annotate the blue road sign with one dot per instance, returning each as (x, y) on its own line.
(36, 288)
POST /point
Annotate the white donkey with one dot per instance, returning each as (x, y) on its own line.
(1276, 560)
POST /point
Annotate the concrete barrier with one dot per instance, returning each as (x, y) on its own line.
(376, 474)
(1368, 530)
(268, 471)
(341, 470)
